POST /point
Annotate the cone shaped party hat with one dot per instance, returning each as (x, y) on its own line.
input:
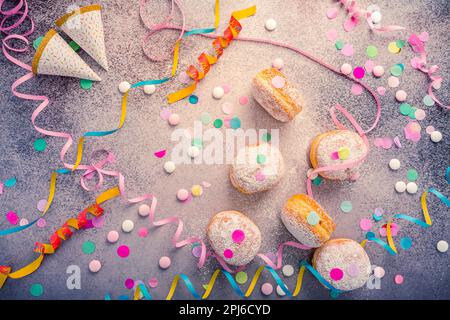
(85, 27)
(55, 57)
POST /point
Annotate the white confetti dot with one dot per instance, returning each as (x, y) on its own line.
(278, 63)
(169, 167)
(442, 246)
(288, 270)
(411, 187)
(218, 93)
(394, 164)
(127, 225)
(193, 151)
(436, 136)
(124, 86)
(270, 24)
(144, 210)
(400, 186)
(149, 88)
(346, 68)
(280, 291)
(376, 17)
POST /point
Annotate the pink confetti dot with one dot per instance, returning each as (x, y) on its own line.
(184, 78)
(336, 274)
(129, 283)
(227, 253)
(356, 89)
(95, 266)
(226, 88)
(430, 129)
(160, 154)
(348, 50)
(41, 205)
(227, 108)
(165, 114)
(369, 65)
(260, 176)
(197, 251)
(266, 289)
(278, 82)
(153, 282)
(12, 218)
(332, 12)
(238, 236)
(332, 35)
(98, 222)
(420, 114)
(381, 91)
(398, 279)
(394, 229)
(243, 100)
(112, 236)
(350, 24)
(365, 224)
(164, 262)
(41, 223)
(387, 143)
(359, 72)
(123, 251)
(143, 232)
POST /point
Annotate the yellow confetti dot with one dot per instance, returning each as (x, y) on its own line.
(343, 153)
(393, 48)
(197, 190)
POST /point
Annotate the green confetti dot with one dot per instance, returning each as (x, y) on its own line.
(85, 84)
(260, 158)
(339, 44)
(400, 43)
(235, 123)
(205, 118)
(313, 218)
(317, 181)
(74, 46)
(267, 137)
(37, 42)
(412, 113)
(11, 182)
(193, 99)
(36, 290)
(346, 206)
(218, 123)
(371, 51)
(197, 142)
(241, 277)
(412, 175)
(88, 247)
(396, 70)
(428, 101)
(40, 145)
(405, 109)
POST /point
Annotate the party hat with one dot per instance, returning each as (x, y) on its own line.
(84, 25)
(55, 57)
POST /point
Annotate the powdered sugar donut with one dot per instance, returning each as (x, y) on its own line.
(276, 95)
(307, 221)
(257, 168)
(343, 263)
(234, 237)
(335, 147)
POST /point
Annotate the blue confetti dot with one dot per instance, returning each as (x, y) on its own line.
(376, 218)
(123, 297)
(193, 99)
(370, 235)
(235, 123)
(11, 182)
(406, 243)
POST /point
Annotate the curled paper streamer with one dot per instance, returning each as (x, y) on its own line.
(426, 223)
(61, 234)
(303, 266)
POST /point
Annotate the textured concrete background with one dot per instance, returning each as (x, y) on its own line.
(301, 23)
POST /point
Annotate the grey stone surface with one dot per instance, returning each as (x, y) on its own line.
(301, 23)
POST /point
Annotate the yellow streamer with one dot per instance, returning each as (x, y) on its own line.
(107, 195)
(216, 14)
(389, 236)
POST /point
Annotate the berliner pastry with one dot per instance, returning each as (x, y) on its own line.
(276, 95)
(307, 221)
(343, 263)
(257, 168)
(334, 147)
(234, 237)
